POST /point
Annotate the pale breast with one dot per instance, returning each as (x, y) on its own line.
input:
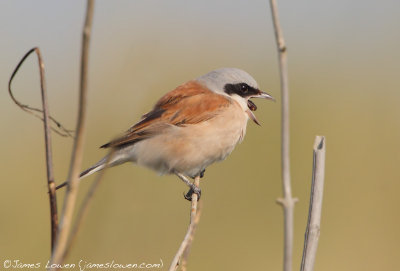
(191, 148)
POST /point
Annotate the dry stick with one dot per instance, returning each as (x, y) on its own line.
(85, 206)
(59, 129)
(77, 153)
(47, 138)
(287, 201)
(190, 231)
(314, 213)
(33, 110)
(49, 155)
(186, 252)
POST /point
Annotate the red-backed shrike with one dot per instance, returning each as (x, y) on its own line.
(189, 128)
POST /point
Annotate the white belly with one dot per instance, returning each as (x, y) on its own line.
(190, 149)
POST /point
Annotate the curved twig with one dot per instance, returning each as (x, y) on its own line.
(59, 129)
(47, 137)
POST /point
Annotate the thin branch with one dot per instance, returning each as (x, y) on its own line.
(77, 153)
(38, 113)
(49, 155)
(47, 139)
(85, 207)
(287, 201)
(186, 252)
(314, 213)
(188, 239)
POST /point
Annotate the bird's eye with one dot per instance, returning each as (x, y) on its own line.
(244, 88)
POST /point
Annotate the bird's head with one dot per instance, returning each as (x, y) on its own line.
(237, 84)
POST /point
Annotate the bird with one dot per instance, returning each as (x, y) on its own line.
(189, 128)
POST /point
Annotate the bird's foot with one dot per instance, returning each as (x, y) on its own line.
(202, 173)
(193, 190)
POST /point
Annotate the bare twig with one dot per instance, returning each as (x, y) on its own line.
(187, 241)
(287, 201)
(47, 138)
(314, 213)
(49, 155)
(38, 113)
(186, 252)
(77, 153)
(85, 206)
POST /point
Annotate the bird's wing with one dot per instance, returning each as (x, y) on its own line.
(188, 104)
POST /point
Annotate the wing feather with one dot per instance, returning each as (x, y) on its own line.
(183, 106)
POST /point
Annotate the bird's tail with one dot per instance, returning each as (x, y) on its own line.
(96, 167)
(114, 160)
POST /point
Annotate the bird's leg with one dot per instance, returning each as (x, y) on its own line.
(193, 188)
(202, 173)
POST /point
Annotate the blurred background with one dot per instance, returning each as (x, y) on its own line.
(344, 80)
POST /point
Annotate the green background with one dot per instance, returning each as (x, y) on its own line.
(344, 80)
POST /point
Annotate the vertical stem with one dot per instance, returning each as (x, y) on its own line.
(188, 239)
(77, 153)
(287, 201)
(47, 137)
(186, 252)
(49, 156)
(85, 206)
(314, 213)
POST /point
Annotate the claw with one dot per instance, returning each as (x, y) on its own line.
(193, 190)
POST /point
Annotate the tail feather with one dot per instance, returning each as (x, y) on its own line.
(115, 160)
(96, 167)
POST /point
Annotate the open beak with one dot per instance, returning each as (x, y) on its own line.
(263, 95)
(253, 107)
